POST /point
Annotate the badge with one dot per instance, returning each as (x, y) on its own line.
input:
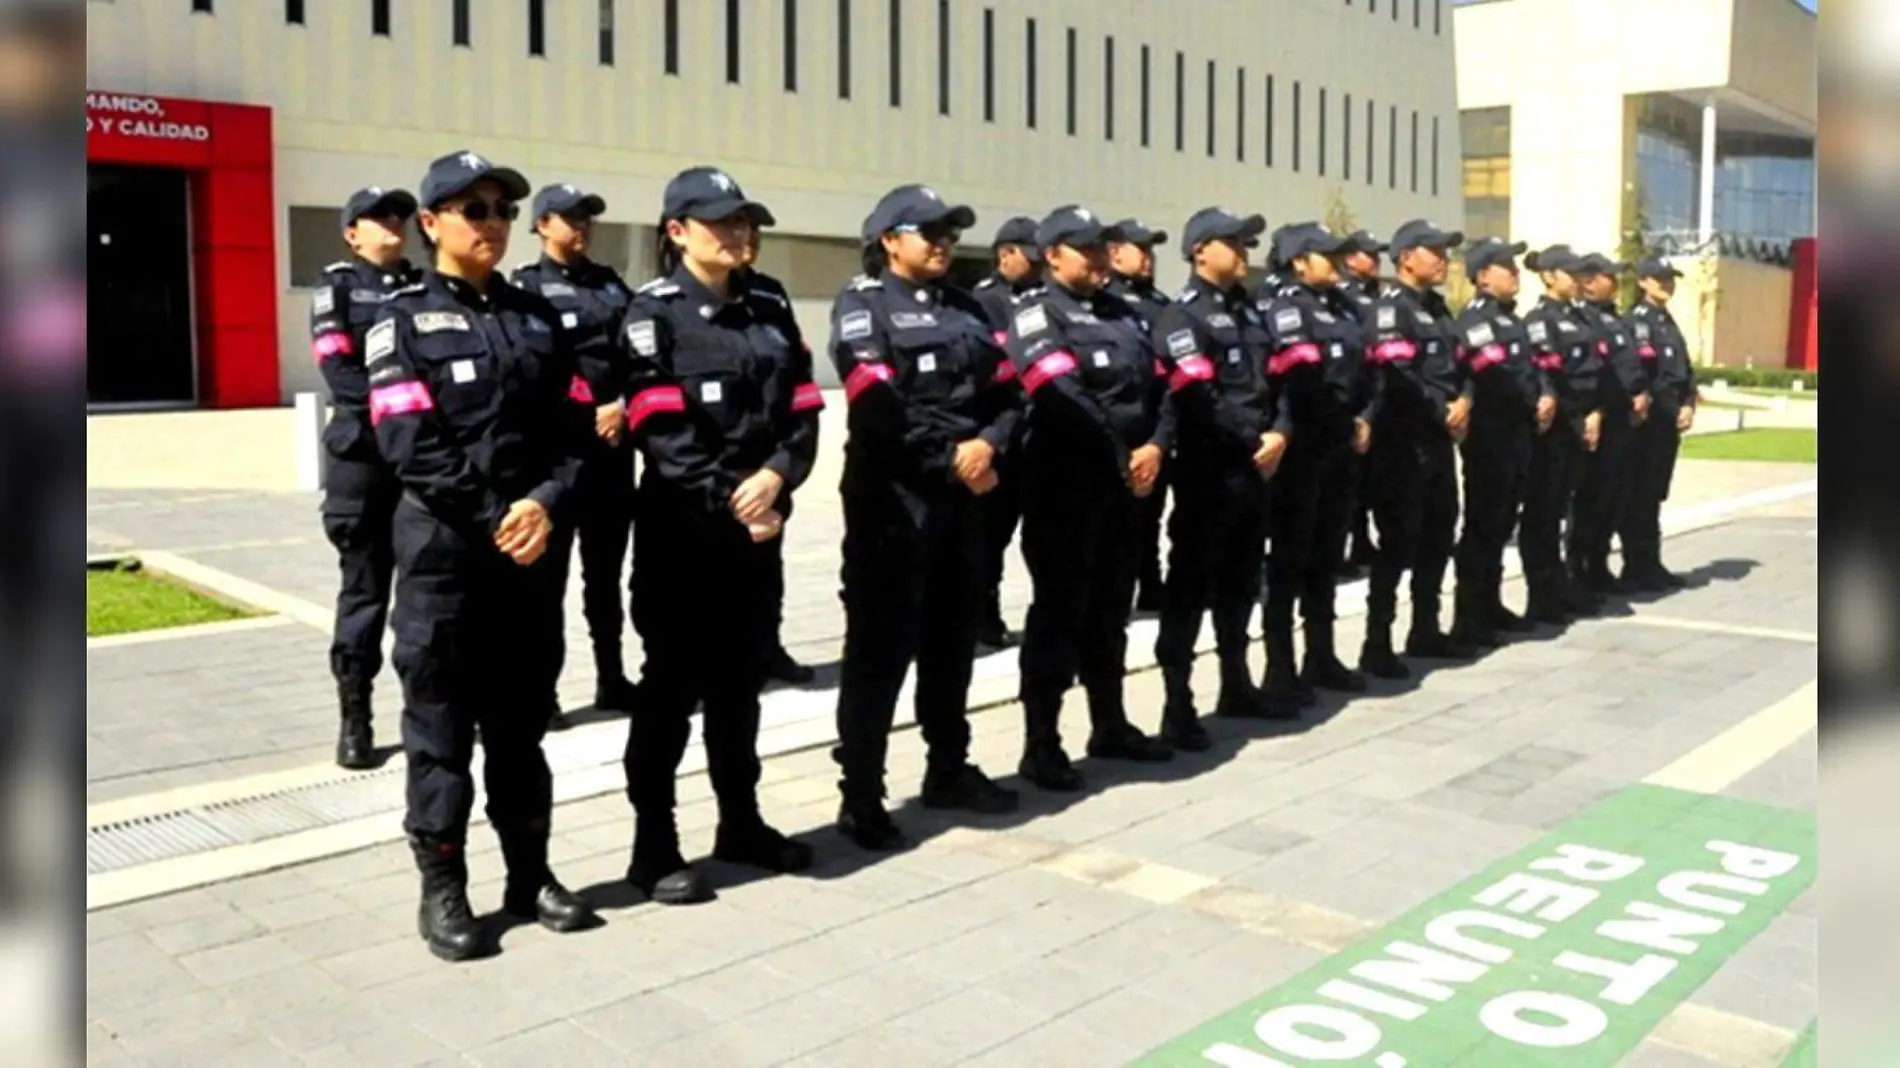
(1540, 333)
(557, 289)
(1220, 320)
(1481, 335)
(855, 325)
(570, 320)
(1388, 317)
(1181, 343)
(431, 322)
(462, 371)
(1100, 359)
(1337, 351)
(1233, 355)
(710, 393)
(1082, 317)
(1031, 320)
(365, 296)
(912, 320)
(927, 363)
(1642, 331)
(381, 340)
(640, 336)
(323, 301)
(1287, 319)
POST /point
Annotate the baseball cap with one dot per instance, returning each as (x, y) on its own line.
(567, 200)
(1555, 258)
(1363, 241)
(1076, 227)
(914, 205)
(1490, 251)
(710, 194)
(1218, 224)
(1421, 233)
(1136, 232)
(1598, 263)
(1657, 267)
(452, 174)
(1300, 239)
(375, 202)
(1016, 230)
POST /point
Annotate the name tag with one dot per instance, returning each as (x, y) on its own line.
(711, 393)
(570, 320)
(557, 289)
(1220, 320)
(462, 371)
(1100, 359)
(365, 296)
(1083, 317)
(927, 363)
(432, 322)
(912, 320)
(1233, 355)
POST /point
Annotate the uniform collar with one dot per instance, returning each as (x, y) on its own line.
(1237, 291)
(390, 275)
(1486, 300)
(705, 302)
(460, 290)
(576, 271)
(1132, 283)
(922, 294)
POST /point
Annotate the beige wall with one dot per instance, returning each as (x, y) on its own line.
(1772, 57)
(1744, 323)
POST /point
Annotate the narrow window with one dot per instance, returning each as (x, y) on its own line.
(293, 12)
(1210, 109)
(1345, 138)
(458, 23)
(201, 7)
(1372, 129)
(1322, 131)
(1438, 17)
(1240, 115)
(844, 49)
(989, 64)
(1269, 104)
(606, 33)
(1392, 148)
(1296, 127)
(1069, 74)
(943, 57)
(732, 42)
(378, 18)
(1414, 151)
(1180, 102)
(1029, 87)
(1108, 89)
(670, 36)
(897, 53)
(537, 28)
(1146, 110)
(1395, 10)
(1434, 155)
(791, 46)
(1418, 17)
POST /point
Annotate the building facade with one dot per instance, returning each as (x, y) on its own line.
(816, 106)
(1683, 128)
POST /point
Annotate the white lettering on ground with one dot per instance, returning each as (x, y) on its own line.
(1657, 927)
(1377, 1001)
(1343, 1036)
(1520, 892)
(1589, 865)
(1419, 971)
(1578, 1021)
(1683, 889)
(1753, 862)
(1448, 931)
(1628, 982)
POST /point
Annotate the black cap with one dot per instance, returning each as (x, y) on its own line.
(567, 200)
(1215, 224)
(1598, 263)
(914, 205)
(376, 202)
(1016, 230)
(1555, 258)
(1420, 233)
(1076, 227)
(454, 173)
(1657, 267)
(1492, 250)
(1136, 232)
(1300, 239)
(710, 194)
(1363, 241)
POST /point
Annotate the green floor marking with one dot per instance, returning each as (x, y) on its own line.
(1804, 1054)
(1525, 973)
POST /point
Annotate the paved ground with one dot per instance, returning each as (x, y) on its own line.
(1252, 906)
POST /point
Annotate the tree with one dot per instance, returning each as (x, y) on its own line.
(1338, 216)
(1633, 249)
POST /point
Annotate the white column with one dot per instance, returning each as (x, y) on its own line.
(1705, 223)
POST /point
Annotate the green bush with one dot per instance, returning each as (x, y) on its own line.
(1761, 378)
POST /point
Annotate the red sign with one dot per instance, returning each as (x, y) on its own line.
(149, 129)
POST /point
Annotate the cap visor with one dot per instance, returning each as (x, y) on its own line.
(513, 185)
(1251, 226)
(591, 204)
(961, 216)
(727, 207)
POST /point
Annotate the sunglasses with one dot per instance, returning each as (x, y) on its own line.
(477, 211)
(941, 233)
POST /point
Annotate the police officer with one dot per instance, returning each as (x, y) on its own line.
(1315, 361)
(1561, 347)
(1603, 484)
(722, 444)
(933, 403)
(359, 490)
(592, 298)
(1361, 284)
(1230, 437)
(469, 385)
(1424, 407)
(1131, 263)
(1018, 270)
(1671, 388)
(1090, 452)
(1511, 405)
(771, 301)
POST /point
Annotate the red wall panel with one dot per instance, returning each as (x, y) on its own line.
(1804, 310)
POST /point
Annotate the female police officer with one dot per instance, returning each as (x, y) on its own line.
(932, 402)
(469, 394)
(722, 443)
(1091, 448)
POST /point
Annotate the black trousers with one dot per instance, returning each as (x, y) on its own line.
(1216, 534)
(1603, 483)
(1652, 468)
(1002, 509)
(702, 605)
(1411, 478)
(462, 613)
(359, 508)
(910, 589)
(1308, 518)
(602, 511)
(1547, 495)
(1359, 507)
(1148, 513)
(1497, 465)
(1082, 552)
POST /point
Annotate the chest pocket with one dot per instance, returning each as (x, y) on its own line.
(1229, 349)
(718, 369)
(1109, 355)
(465, 376)
(935, 361)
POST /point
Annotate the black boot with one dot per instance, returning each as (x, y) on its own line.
(1322, 669)
(1045, 765)
(1239, 697)
(1427, 642)
(443, 919)
(657, 870)
(863, 820)
(1469, 623)
(1545, 603)
(1578, 600)
(557, 719)
(1280, 697)
(355, 740)
(780, 667)
(532, 892)
(747, 839)
(965, 787)
(1376, 657)
(1114, 738)
(1180, 720)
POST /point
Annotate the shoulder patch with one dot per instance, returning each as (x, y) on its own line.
(863, 281)
(340, 265)
(381, 341)
(1031, 320)
(1539, 331)
(1388, 318)
(1181, 343)
(1480, 334)
(659, 287)
(433, 321)
(323, 301)
(1287, 319)
(640, 337)
(854, 326)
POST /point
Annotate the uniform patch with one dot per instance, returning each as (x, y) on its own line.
(1424, 318)
(570, 320)
(927, 363)
(855, 325)
(640, 337)
(1181, 343)
(1220, 320)
(1503, 320)
(462, 371)
(1287, 319)
(1233, 355)
(912, 320)
(711, 393)
(1031, 320)
(323, 302)
(434, 322)
(1388, 317)
(381, 341)
(1480, 334)
(1642, 331)
(1082, 317)
(557, 289)
(1099, 359)
(1540, 332)
(365, 296)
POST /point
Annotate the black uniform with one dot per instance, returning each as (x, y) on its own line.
(359, 489)
(922, 373)
(1507, 384)
(1561, 347)
(1670, 381)
(1360, 294)
(1002, 507)
(1316, 359)
(1088, 369)
(1148, 300)
(1410, 468)
(709, 404)
(1603, 484)
(1214, 348)
(592, 299)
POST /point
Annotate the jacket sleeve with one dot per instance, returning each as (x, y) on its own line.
(1624, 361)
(797, 426)
(1583, 362)
(1181, 345)
(660, 419)
(1643, 347)
(1397, 354)
(878, 413)
(572, 415)
(1046, 366)
(1002, 400)
(414, 436)
(337, 348)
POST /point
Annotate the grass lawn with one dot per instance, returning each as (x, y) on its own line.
(119, 602)
(1803, 395)
(1783, 445)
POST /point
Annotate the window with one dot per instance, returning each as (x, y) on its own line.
(1145, 108)
(1108, 89)
(1069, 74)
(378, 18)
(1438, 17)
(790, 44)
(844, 49)
(293, 12)
(1418, 14)
(537, 28)
(201, 7)
(1345, 138)
(943, 57)
(1269, 104)
(1392, 148)
(1486, 133)
(1395, 10)
(1322, 131)
(670, 36)
(1180, 102)
(1434, 155)
(989, 64)
(1296, 127)
(1372, 130)
(1240, 115)
(1210, 109)
(606, 42)
(1029, 86)
(732, 42)
(897, 52)
(458, 23)
(1414, 151)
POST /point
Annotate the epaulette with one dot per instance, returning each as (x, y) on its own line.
(660, 287)
(340, 265)
(414, 287)
(860, 282)
(986, 283)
